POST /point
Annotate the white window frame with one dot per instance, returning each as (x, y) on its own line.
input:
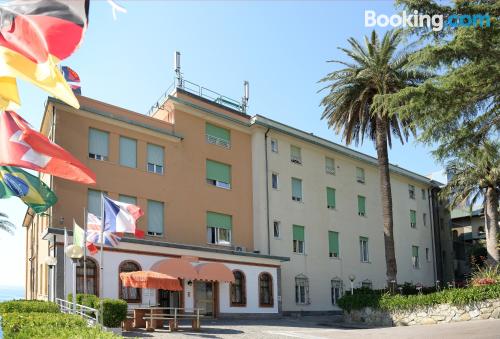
(411, 191)
(360, 179)
(214, 233)
(301, 284)
(98, 157)
(298, 199)
(415, 261)
(364, 253)
(336, 285)
(274, 145)
(329, 170)
(295, 159)
(299, 246)
(424, 195)
(155, 168)
(274, 174)
(220, 184)
(277, 226)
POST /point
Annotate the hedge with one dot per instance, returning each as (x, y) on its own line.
(49, 325)
(455, 296)
(114, 312)
(88, 300)
(27, 306)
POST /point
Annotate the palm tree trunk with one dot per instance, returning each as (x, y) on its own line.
(386, 195)
(491, 221)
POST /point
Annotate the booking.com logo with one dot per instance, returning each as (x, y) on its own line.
(435, 22)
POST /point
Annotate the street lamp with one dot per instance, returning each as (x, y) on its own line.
(352, 277)
(52, 262)
(75, 253)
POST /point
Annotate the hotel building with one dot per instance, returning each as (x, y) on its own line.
(289, 215)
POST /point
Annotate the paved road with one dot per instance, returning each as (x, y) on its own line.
(320, 328)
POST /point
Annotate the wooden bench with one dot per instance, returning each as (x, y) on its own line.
(155, 321)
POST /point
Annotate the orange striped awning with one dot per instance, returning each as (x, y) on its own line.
(148, 279)
(175, 267)
(214, 272)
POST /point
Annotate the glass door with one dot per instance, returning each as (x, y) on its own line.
(204, 297)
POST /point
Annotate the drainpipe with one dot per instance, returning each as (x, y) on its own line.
(431, 222)
(267, 195)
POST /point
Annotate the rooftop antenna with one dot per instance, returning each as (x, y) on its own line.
(177, 66)
(246, 95)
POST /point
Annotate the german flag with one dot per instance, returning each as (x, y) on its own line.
(35, 35)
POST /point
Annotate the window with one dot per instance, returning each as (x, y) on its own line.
(296, 189)
(413, 219)
(218, 136)
(276, 229)
(129, 294)
(274, 180)
(360, 175)
(155, 218)
(363, 248)
(92, 277)
(330, 166)
(94, 203)
(155, 159)
(128, 152)
(266, 290)
(274, 145)
(411, 191)
(423, 194)
(337, 290)
(361, 205)
(333, 244)
(301, 289)
(295, 155)
(219, 228)
(238, 289)
(218, 174)
(424, 219)
(366, 284)
(98, 144)
(127, 199)
(330, 197)
(298, 239)
(414, 257)
(427, 255)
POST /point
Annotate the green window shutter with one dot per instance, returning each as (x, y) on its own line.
(98, 142)
(413, 216)
(295, 151)
(330, 197)
(298, 232)
(219, 220)
(333, 242)
(155, 216)
(128, 152)
(361, 204)
(414, 251)
(218, 132)
(218, 171)
(296, 187)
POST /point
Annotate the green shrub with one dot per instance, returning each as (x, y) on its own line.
(43, 325)
(114, 311)
(27, 306)
(455, 296)
(88, 300)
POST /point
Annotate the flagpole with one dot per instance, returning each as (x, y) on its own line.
(64, 262)
(101, 257)
(84, 250)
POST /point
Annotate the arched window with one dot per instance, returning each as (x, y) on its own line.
(266, 290)
(301, 289)
(92, 278)
(238, 289)
(129, 294)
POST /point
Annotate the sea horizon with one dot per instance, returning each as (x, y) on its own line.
(11, 293)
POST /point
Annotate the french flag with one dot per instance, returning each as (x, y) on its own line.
(120, 217)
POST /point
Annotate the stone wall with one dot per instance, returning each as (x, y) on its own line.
(444, 313)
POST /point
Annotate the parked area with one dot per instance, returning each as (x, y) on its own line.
(322, 327)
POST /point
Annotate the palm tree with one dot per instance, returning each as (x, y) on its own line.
(374, 70)
(6, 225)
(475, 175)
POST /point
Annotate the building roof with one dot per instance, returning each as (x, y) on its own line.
(458, 213)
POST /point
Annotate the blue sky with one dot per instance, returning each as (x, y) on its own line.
(280, 47)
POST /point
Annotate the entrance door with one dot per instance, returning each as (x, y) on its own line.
(204, 297)
(169, 299)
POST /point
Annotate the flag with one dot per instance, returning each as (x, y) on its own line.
(122, 217)
(14, 182)
(77, 90)
(69, 74)
(80, 239)
(94, 233)
(34, 36)
(21, 146)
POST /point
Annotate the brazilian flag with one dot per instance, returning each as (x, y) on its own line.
(14, 182)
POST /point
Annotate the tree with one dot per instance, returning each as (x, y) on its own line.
(476, 175)
(377, 68)
(6, 225)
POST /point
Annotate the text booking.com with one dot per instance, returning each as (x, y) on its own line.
(436, 22)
